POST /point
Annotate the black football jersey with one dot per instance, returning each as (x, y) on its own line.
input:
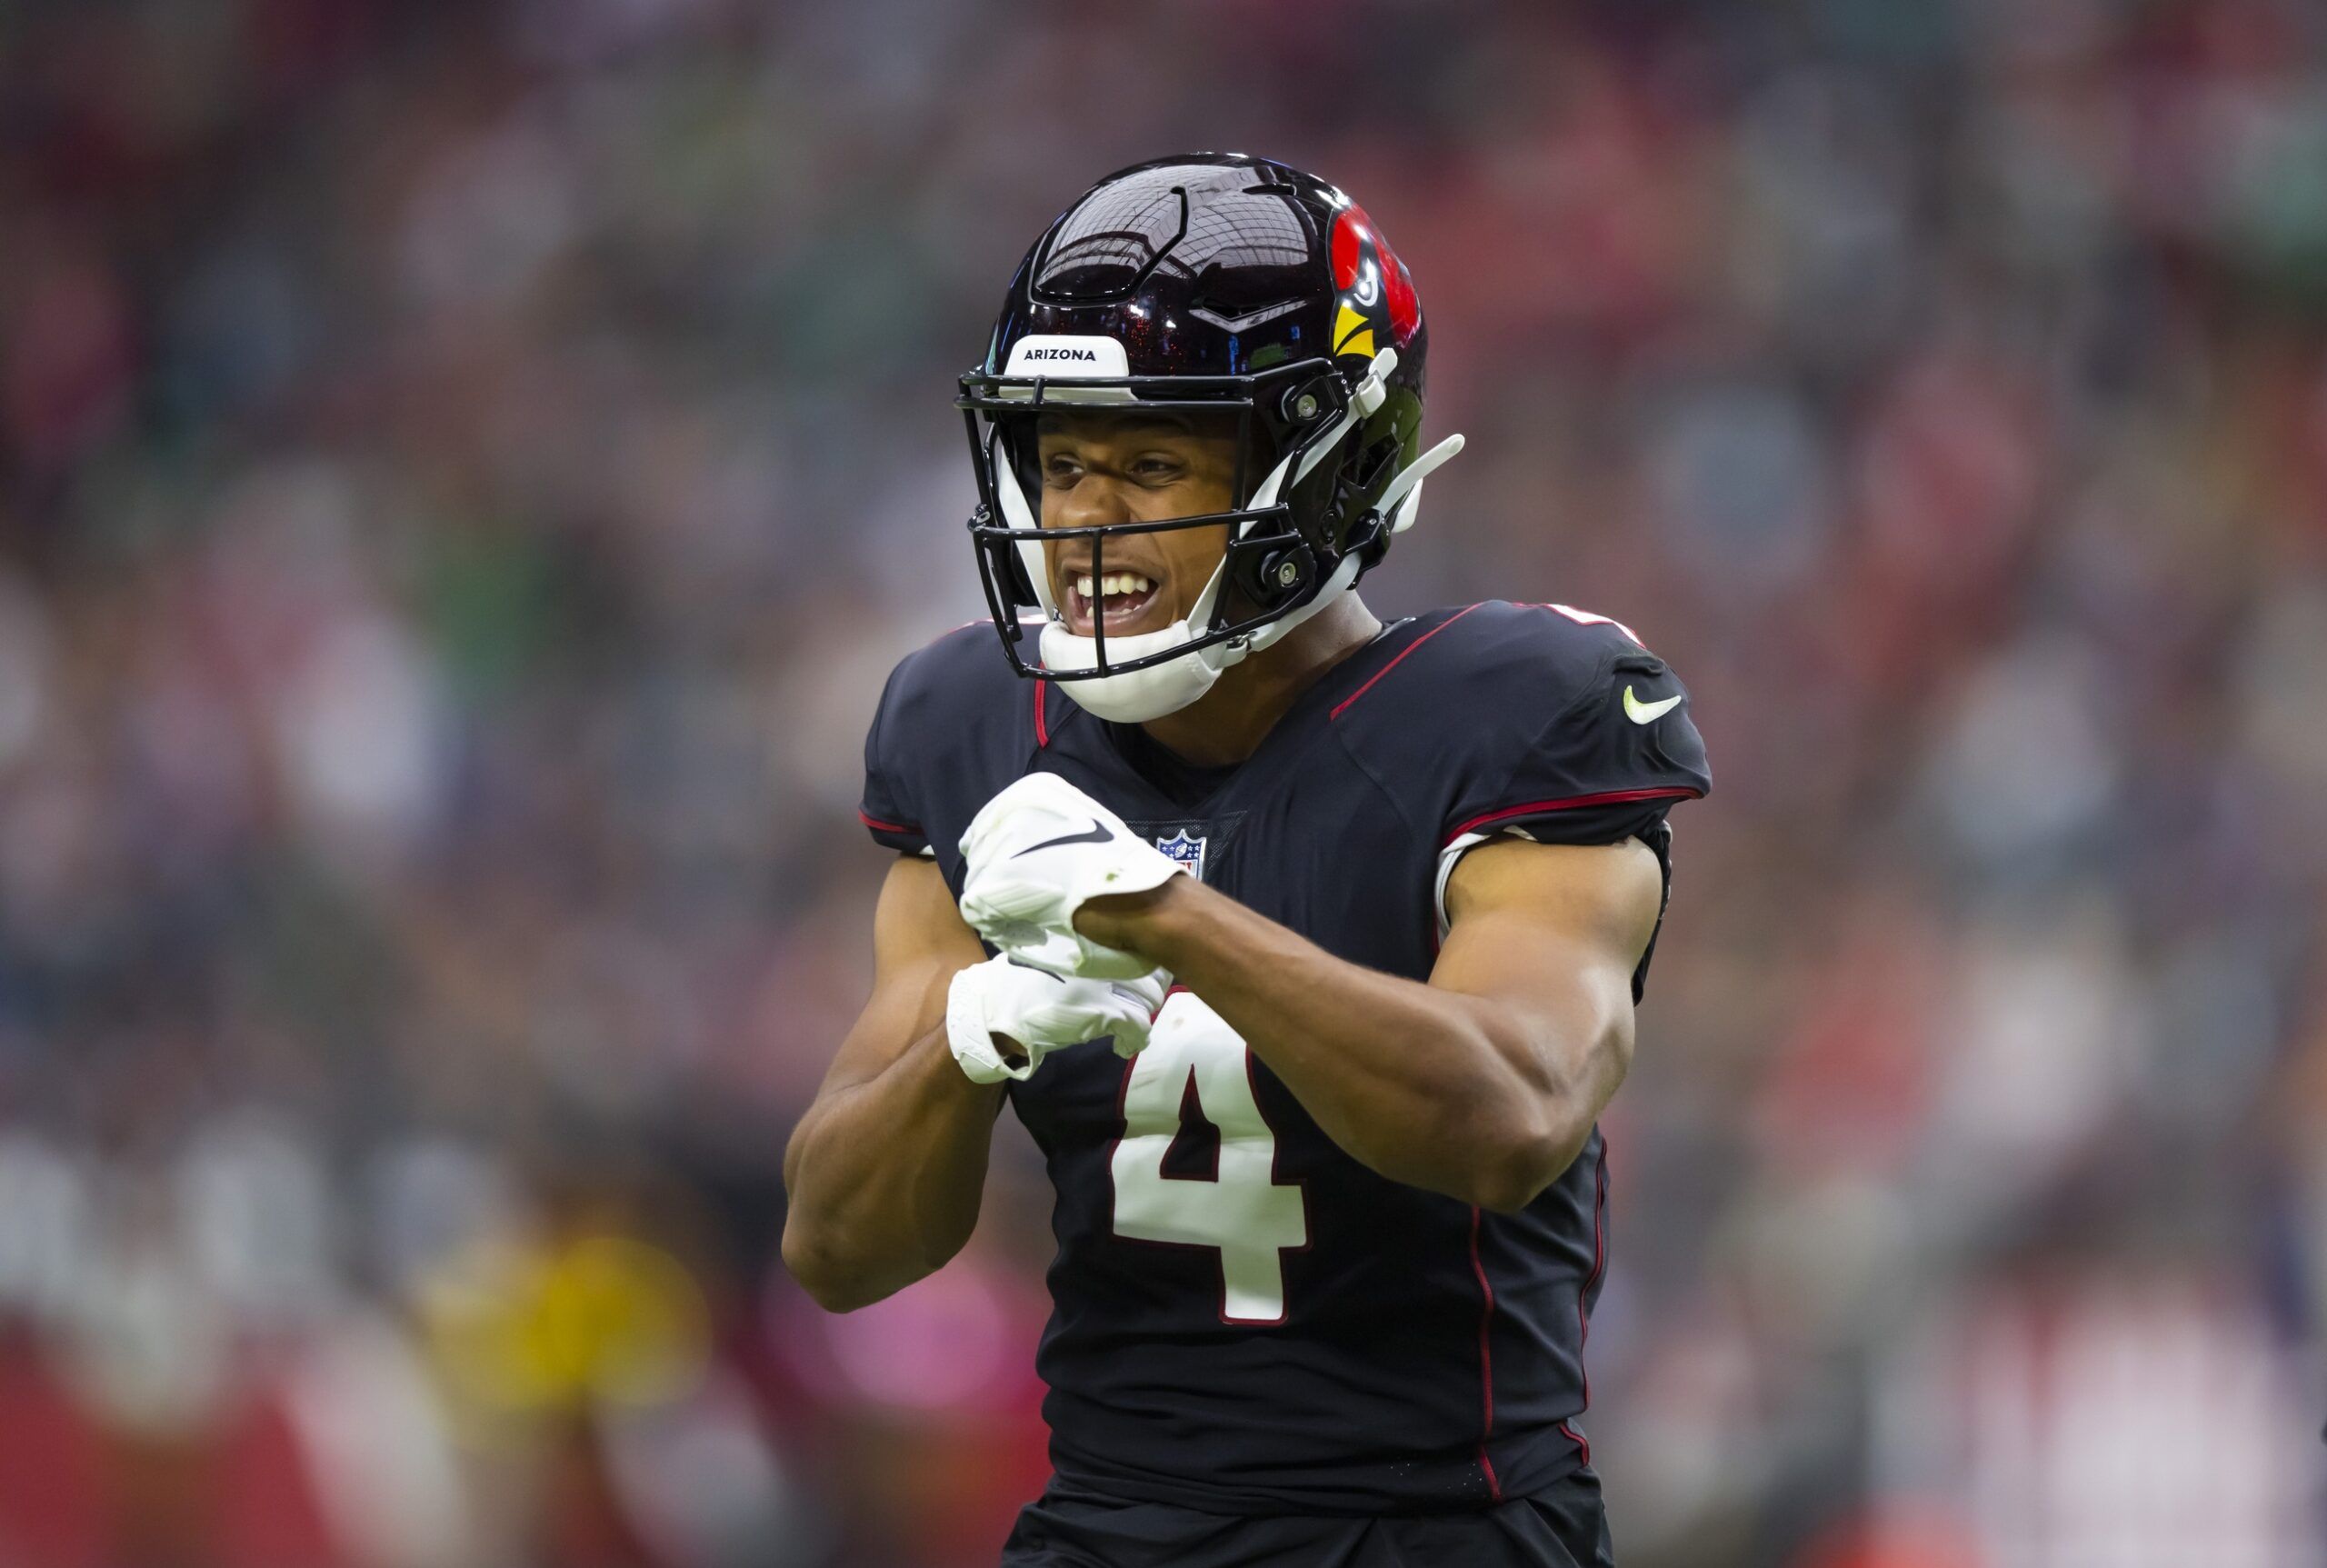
(1246, 1320)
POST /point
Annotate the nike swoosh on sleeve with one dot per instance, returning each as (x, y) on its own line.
(1642, 712)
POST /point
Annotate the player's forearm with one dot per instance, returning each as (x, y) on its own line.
(883, 1177)
(1453, 1093)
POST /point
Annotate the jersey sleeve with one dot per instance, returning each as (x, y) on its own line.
(1588, 740)
(1592, 742)
(887, 809)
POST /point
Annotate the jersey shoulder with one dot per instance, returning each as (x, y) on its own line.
(1529, 654)
(1526, 710)
(952, 713)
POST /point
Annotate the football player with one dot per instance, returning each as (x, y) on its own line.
(1363, 911)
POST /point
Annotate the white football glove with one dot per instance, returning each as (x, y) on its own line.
(1034, 853)
(1042, 1013)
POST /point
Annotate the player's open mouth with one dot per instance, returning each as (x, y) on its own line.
(1125, 599)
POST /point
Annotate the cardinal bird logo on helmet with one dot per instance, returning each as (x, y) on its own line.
(1377, 308)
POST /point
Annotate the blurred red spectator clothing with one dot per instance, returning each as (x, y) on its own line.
(1848, 1086)
(269, 1514)
(587, 1524)
(69, 360)
(1896, 1536)
(56, 1501)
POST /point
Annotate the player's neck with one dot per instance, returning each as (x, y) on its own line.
(1228, 722)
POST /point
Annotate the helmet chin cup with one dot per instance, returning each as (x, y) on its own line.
(1135, 696)
(1181, 675)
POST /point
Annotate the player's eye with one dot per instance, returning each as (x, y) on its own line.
(1156, 470)
(1059, 471)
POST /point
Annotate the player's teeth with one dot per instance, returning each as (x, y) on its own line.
(1083, 585)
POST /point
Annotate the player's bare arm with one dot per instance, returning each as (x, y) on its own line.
(1483, 1084)
(884, 1170)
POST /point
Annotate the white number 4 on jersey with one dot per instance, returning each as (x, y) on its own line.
(1243, 1211)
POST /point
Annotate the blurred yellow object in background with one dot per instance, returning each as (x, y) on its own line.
(598, 1318)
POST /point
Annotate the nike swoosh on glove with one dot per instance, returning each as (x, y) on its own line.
(1035, 853)
(1042, 1013)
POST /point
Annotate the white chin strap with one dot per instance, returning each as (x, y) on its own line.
(1135, 696)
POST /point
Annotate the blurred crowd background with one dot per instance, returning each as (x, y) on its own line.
(466, 467)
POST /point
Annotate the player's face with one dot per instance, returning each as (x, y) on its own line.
(1106, 468)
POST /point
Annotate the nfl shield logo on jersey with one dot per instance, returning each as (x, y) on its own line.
(1188, 852)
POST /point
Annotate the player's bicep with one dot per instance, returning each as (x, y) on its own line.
(920, 942)
(1554, 931)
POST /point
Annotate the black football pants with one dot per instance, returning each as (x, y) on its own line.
(1562, 1526)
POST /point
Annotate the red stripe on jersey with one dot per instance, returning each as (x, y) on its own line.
(1486, 1360)
(1410, 647)
(877, 825)
(1575, 803)
(1042, 725)
(1599, 1263)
